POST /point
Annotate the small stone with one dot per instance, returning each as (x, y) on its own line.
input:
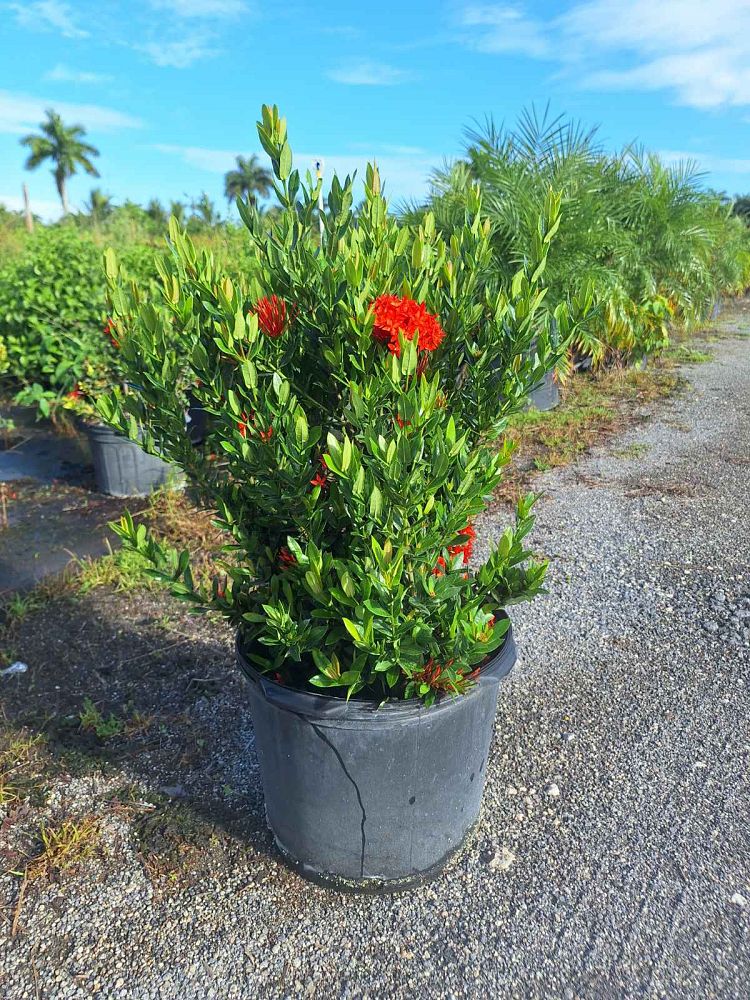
(710, 626)
(173, 791)
(553, 790)
(501, 859)
(738, 899)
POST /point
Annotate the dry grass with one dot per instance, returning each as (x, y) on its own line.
(594, 407)
(19, 766)
(172, 518)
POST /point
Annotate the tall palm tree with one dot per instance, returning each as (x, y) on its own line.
(157, 213)
(178, 210)
(247, 180)
(64, 146)
(204, 211)
(99, 205)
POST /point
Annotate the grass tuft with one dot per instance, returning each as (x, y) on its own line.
(63, 847)
(19, 760)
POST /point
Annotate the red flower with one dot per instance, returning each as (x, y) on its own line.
(286, 558)
(486, 632)
(272, 315)
(75, 393)
(266, 435)
(245, 419)
(395, 314)
(109, 328)
(402, 423)
(432, 675)
(320, 479)
(440, 568)
(467, 547)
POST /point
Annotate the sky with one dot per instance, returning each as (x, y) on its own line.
(169, 90)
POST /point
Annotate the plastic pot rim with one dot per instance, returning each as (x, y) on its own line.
(358, 710)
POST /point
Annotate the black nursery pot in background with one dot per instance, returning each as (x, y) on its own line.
(373, 798)
(122, 468)
(546, 395)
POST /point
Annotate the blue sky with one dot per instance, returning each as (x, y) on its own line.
(169, 90)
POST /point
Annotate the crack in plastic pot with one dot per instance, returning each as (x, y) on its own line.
(322, 736)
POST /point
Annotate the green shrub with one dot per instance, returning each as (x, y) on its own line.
(643, 239)
(53, 313)
(357, 386)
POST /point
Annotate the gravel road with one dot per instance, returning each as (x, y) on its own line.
(613, 855)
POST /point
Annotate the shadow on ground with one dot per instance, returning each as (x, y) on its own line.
(171, 733)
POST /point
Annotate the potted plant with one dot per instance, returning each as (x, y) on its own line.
(354, 436)
(121, 467)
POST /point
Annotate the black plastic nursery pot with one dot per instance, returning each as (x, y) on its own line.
(367, 798)
(122, 468)
(546, 395)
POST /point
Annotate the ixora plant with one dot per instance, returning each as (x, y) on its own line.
(355, 386)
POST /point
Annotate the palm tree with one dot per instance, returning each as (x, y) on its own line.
(99, 205)
(248, 179)
(204, 211)
(177, 209)
(156, 212)
(741, 207)
(64, 146)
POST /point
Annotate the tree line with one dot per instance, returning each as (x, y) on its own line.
(65, 148)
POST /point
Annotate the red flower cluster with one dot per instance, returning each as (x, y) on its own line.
(242, 424)
(109, 328)
(75, 392)
(321, 478)
(432, 675)
(396, 314)
(249, 418)
(454, 550)
(272, 315)
(468, 546)
(286, 558)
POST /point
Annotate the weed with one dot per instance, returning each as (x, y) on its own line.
(684, 355)
(18, 767)
(634, 450)
(63, 847)
(122, 570)
(18, 606)
(138, 723)
(92, 721)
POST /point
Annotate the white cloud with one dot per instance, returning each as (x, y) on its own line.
(706, 79)
(46, 209)
(202, 8)
(405, 174)
(707, 161)
(20, 113)
(48, 15)
(63, 74)
(369, 74)
(698, 51)
(178, 54)
(504, 28)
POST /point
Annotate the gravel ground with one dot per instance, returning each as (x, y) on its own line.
(613, 855)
